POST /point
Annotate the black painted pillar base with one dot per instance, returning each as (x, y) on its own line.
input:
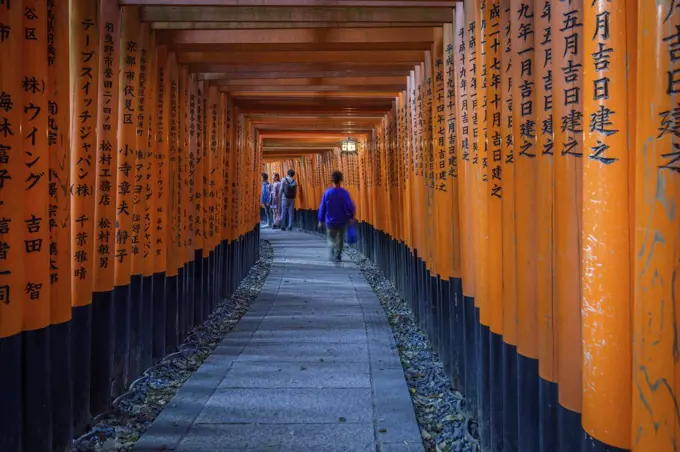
(62, 397)
(11, 388)
(101, 365)
(122, 303)
(37, 392)
(159, 316)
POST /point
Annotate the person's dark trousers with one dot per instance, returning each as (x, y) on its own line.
(336, 241)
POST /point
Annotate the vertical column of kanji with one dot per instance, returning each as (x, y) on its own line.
(191, 220)
(140, 305)
(171, 280)
(526, 170)
(96, 328)
(428, 193)
(149, 112)
(418, 189)
(378, 207)
(229, 232)
(442, 211)
(547, 364)
(159, 212)
(567, 27)
(452, 144)
(399, 150)
(219, 190)
(59, 141)
(209, 198)
(199, 190)
(390, 176)
(34, 223)
(460, 96)
(441, 208)
(470, 158)
(493, 33)
(230, 197)
(407, 191)
(606, 299)
(657, 244)
(370, 197)
(509, 295)
(138, 162)
(181, 202)
(397, 161)
(480, 208)
(187, 248)
(127, 134)
(11, 228)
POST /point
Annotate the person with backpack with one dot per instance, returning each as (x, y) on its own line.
(289, 193)
(265, 198)
(336, 212)
(276, 201)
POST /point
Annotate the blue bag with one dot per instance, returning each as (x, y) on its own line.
(352, 235)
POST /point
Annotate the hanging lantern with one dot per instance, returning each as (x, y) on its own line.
(349, 145)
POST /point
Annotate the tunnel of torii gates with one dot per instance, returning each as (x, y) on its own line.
(517, 178)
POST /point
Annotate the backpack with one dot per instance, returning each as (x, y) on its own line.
(289, 188)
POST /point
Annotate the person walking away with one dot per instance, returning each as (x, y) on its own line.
(289, 193)
(336, 212)
(276, 201)
(265, 198)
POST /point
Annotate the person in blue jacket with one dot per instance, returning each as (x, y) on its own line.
(265, 198)
(336, 212)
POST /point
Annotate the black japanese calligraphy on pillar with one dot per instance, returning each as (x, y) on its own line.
(544, 102)
(523, 96)
(34, 222)
(58, 136)
(106, 143)
(12, 283)
(492, 47)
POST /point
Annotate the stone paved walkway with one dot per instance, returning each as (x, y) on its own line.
(312, 366)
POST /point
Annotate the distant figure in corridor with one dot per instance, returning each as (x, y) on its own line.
(336, 212)
(289, 192)
(276, 200)
(265, 198)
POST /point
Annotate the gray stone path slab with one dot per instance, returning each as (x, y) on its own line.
(312, 366)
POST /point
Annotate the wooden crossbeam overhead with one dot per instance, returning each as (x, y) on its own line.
(304, 47)
(350, 56)
(299, 67)
(299, 36)
(278, 25)
(251, 75)
(342, 97)
(273, 14)
(298, 3)
(307, 39)
(312, 125)
(301, 116)
(314, 82)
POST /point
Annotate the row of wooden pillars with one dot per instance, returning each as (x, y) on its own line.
(533, 163)
(127, 211)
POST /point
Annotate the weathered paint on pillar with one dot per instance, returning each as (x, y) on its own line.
(606, 302)
(656, 371)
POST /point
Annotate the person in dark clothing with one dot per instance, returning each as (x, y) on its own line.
(265, 198)
(336, 212)
(288, 195)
